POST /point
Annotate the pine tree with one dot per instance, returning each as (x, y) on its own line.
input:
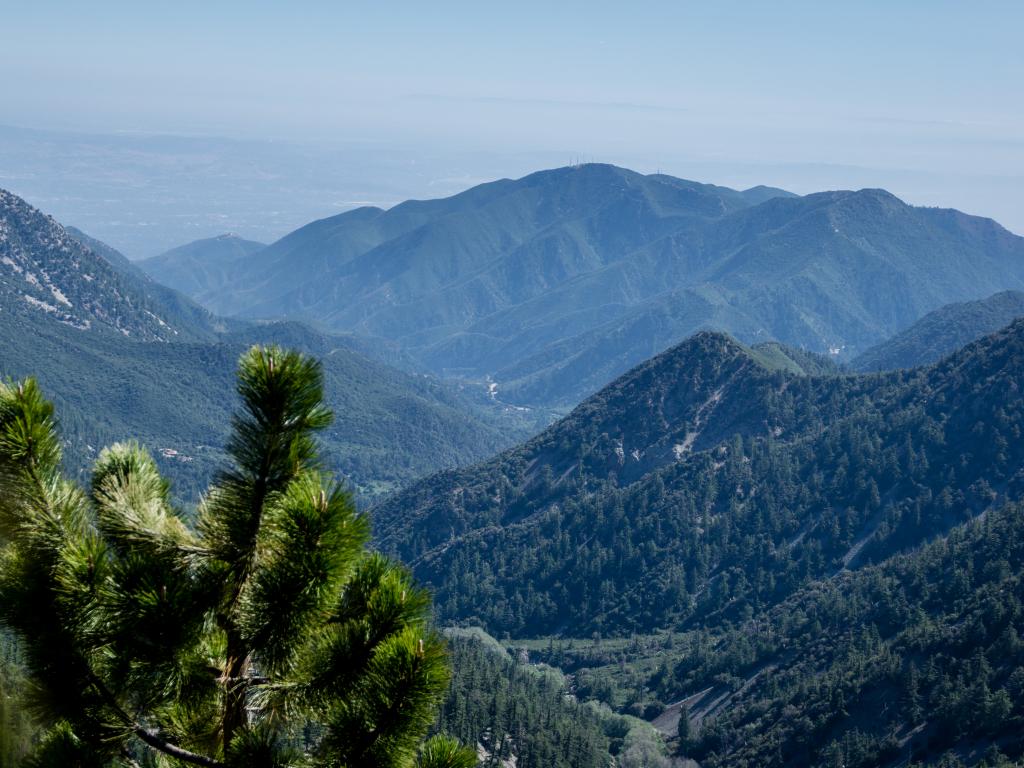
(684, 730)
(263, 635)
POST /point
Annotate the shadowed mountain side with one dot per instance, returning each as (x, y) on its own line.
(940, 332)
(709, 477)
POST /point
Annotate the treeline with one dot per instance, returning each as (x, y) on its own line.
(16, 729)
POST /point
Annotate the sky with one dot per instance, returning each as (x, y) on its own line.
(925, 98)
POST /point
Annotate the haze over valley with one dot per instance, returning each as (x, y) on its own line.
(547, 386)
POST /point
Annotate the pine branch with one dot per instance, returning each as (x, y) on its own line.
(271, 600)
(173, 750)
(147, 736)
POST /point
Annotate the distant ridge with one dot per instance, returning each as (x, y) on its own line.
(550, 285)
(940, 332)
(202, 265)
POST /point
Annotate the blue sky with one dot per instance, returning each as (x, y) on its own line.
(926, 98)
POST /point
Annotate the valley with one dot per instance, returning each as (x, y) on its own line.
(732, 554)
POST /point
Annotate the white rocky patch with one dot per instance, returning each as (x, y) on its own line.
(161, 322)
(59, 296)
(39, 303)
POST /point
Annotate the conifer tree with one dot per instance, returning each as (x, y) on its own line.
(263, 635)
(684, 730)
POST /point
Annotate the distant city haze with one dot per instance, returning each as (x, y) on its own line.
(149, 125)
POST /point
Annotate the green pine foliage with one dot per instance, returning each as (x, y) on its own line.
(263, 635)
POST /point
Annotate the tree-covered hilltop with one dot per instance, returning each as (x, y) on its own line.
(704, 485)
(941, 332)
(202, 265)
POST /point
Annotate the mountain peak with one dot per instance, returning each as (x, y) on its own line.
(50, 275)
(200, 262)
(882, 196)
(554, 283)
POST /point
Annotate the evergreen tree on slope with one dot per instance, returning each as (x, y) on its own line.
(265, 635)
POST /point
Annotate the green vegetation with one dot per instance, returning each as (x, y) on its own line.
(770, 561)
(529, 713)
(263, 635)
(775, 356)
(49, 273)
(556, 283)
(942, 332)
(16, 728)
(702, 487)
(908, 660)
(108, 363)
(202, 265)
(391, 427)
(824, 570)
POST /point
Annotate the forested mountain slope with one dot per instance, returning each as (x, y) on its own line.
(917, 661)
(390, 428)
(522, 713)
(123, 356)
(705, 484)
(46, 271)
(182, 310)
(553, 284)
(906, 660)
(940, 332)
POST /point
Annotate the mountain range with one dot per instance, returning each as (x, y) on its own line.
(123, 356)
(549, 286)
(774, 560)
(815, 569)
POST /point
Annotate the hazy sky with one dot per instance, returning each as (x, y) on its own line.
(924, 97)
